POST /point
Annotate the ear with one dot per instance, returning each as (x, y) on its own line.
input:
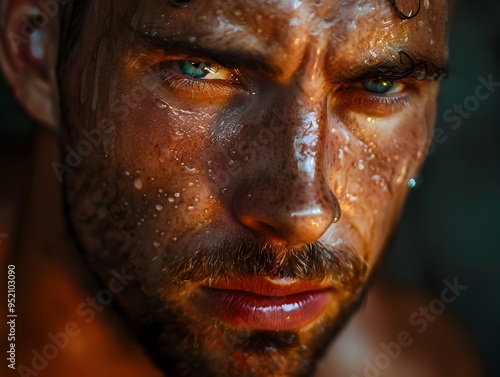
(29, 41)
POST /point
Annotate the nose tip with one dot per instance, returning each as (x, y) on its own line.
(287, 219)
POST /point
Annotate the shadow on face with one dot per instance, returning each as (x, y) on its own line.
(247, 161)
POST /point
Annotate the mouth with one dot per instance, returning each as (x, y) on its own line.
(263, 304)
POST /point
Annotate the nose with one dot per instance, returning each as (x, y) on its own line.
(298, 215)
(285, 195)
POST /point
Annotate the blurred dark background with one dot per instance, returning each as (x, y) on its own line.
(451, 220)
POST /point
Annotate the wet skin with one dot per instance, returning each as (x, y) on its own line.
(249, 146)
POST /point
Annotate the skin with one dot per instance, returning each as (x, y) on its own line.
(283, 155)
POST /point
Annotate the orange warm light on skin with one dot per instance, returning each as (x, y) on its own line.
(256, 162)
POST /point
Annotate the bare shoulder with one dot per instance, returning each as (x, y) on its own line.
(404, 333)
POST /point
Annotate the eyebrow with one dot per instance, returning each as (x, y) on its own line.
(408, 65)
(226, 57)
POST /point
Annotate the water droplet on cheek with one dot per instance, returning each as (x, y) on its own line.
(138, 184)
(161, 104)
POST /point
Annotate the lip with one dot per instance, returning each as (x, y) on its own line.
(264, 304)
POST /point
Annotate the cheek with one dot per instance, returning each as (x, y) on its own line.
(373, 159)
(163, 163)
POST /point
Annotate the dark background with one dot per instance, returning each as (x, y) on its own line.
(450, 227)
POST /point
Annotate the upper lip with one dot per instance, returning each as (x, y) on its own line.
(266, 286)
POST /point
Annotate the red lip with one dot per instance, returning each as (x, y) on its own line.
(264, 304)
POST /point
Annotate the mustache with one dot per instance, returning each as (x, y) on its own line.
(315, 262)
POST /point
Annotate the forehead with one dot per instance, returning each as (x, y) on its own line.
(362, 30)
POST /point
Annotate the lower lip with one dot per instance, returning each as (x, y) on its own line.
(252, 311)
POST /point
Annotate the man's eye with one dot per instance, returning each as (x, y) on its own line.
(376, 97)
(202, 70)
(197, 80)
(383, 86)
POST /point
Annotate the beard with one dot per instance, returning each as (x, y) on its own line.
(185, 339)
(181, 335)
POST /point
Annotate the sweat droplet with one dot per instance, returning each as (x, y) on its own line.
(138, 184)
(412, 183)
(159, 207)
(406, 8)
(161, 104)
(156, 244)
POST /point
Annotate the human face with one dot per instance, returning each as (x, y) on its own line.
(251, 161)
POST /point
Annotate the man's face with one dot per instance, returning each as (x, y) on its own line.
(250, 159)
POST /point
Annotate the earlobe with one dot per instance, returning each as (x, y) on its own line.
(28, 57)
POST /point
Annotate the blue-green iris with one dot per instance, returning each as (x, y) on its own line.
(379, 86)
(194, 69)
